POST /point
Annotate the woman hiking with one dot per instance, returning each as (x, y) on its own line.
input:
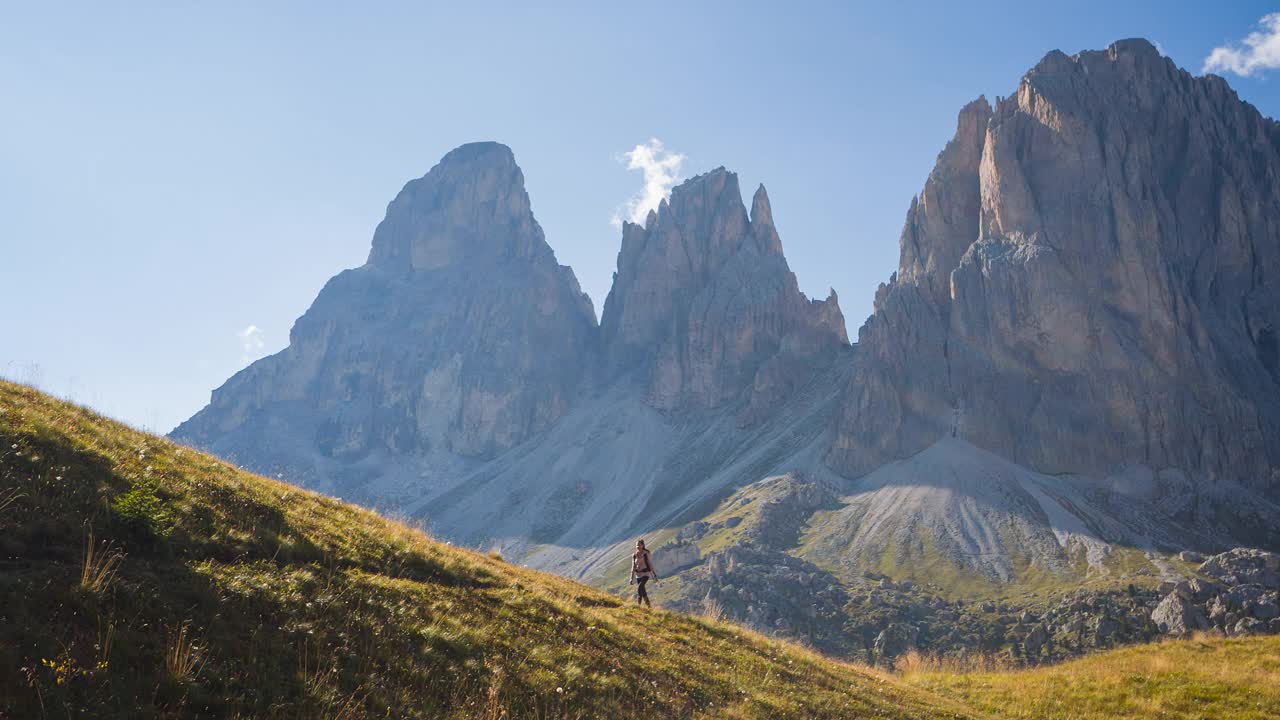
(641, 571)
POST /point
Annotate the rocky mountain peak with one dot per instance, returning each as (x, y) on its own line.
(461, 335)
(942, 220)
(703, 296)
(471, 205)
(1101, 256)
(766, 235)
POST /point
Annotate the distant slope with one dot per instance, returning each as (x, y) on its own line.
(1199, 678)
(241, 596)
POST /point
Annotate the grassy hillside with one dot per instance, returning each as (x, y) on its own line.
(1187, 679)
(142, 579)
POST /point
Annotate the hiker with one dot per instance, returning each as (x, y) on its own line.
(641, 571)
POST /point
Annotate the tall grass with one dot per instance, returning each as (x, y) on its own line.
(919, 662)
(9, 497)
(182, 656)
(712, 609)
(99, 565)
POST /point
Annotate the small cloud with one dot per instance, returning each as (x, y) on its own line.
(1261, 51)
(661, 171)
(251, 344)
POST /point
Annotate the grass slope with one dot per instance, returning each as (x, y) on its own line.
(210, 592)
(1178, 680)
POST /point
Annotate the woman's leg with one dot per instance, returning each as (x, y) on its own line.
(641, 595)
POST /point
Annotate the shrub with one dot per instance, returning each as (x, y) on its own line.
(141, 509)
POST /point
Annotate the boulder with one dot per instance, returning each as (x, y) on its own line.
(1202, 590)
(1266, 610)
(1035, 640)
(1248, 626)
(1177, 615)
(896, 639)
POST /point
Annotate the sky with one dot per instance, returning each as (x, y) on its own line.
(178, 180)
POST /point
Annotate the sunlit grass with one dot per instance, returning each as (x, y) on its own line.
(1203, 677)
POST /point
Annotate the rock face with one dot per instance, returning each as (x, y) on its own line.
(704, 307)
(461, 333)
(1089, 281)
(677, 556)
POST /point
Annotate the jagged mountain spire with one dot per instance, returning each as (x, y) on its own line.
(703, 297)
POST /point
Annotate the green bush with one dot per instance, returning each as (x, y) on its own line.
(142, 510)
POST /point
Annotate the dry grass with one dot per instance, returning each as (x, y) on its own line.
(182, 655)
(1201, 677)
(9, 497)
(915, 662)
(712, 609)
(99, 566)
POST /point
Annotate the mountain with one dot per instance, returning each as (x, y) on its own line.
(1069, 386)
(459, 338)
(1093, 275)
(140, 578)
(1087, 286)
(459, 376)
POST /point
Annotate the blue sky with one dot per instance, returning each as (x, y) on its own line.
(173, 174)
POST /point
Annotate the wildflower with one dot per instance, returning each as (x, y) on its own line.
(560, 690)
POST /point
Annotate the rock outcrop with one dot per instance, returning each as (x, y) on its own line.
(1090, 281)
(461, 333)
(1243, 598)
(1243, 566)
(677, 556)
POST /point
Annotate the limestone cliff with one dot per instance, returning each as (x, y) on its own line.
(1089, 281)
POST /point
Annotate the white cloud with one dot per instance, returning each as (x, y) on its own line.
(661, 172)
(1261, 51)
(251, 344)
